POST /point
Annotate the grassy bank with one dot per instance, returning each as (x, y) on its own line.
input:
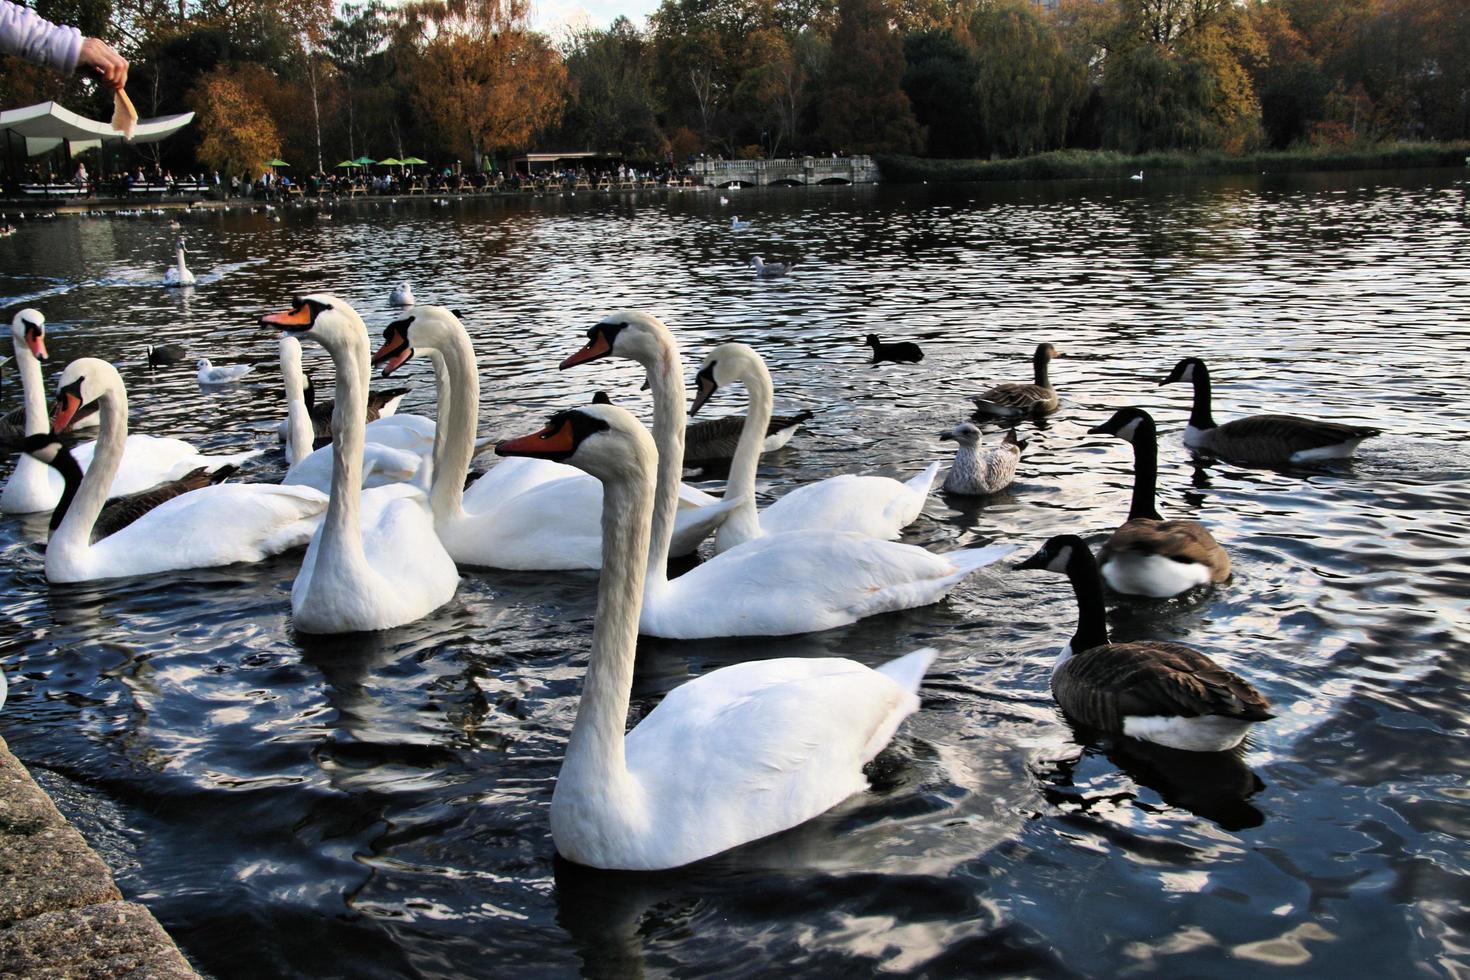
(1075, 164)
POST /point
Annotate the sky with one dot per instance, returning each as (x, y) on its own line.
(555, 16)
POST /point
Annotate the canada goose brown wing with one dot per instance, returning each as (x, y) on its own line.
(1024, 398)
(119, 512)
(1106, 684)
(713, 439)
(1181, 541)
(378, 399)
(13, 429)
(1278, 437)
(321, 418)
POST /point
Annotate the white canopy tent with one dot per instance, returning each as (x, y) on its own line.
(45, 126)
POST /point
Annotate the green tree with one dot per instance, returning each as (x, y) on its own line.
(1027, 86)
(610, 104)
(941, 81)
(864, 108)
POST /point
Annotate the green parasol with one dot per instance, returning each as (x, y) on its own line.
(277, 162)
(365, 161)
(390, 162)
(347, 163)
(413, 161)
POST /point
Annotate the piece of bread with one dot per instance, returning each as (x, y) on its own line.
(123, 113)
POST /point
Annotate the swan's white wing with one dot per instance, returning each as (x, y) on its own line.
(877, 506)
(553, 526)
(693, 524)
(514, 475)
(757, 748)
(215, 525)
(381, 466)
(803, 581)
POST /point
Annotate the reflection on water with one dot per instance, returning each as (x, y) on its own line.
(376, 806)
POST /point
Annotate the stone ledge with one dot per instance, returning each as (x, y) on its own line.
(61, 914)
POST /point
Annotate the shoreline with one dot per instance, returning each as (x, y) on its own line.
(60, 911)
(1107, 165)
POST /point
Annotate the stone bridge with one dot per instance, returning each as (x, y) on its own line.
(805, 171)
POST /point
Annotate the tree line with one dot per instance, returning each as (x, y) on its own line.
(471, 81)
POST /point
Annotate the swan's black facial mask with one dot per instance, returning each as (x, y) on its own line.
(707, 384)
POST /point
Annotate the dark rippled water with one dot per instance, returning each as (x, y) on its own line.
(377, 806)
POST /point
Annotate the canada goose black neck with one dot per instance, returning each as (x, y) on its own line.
(1040, 362)
(1145, 470)
(1092, 615)
(1199, 414)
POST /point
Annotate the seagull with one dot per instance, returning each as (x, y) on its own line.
(770, 270)
(737, 225)
(211, 375)
(402, 295)
(724, 199)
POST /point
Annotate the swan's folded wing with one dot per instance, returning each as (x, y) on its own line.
(552, 526)
(756, 748)
(512, 476)
(876, 506)
(693, 524)
(804, 581)
(216, 525)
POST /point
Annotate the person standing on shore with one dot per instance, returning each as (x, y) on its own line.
(61, 48)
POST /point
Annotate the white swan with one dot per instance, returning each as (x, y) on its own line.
(216, 525)
(382, 464)
(382, 567)
(738, 754)
(794, 582)
(178, 274)
(1137, 176)
(877, 506)
(211, 375)
(146, 460)
(523, 514)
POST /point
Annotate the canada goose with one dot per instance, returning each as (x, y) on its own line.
(1149, 555)
(977, 473)
(715, 440)
(901, 352)
(164, 354)
(1263, 440)
(1165, 693)
(770, 270)
(118, 512)
(381, 403)
(1012, 400)
(211, 375)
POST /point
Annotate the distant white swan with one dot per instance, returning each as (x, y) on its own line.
(876, 506)
(733, 756)
(211, 375)
(178, 274)
(1137, 176)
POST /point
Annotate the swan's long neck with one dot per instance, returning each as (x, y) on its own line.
(454, 431)
(744, 522)
(1092, 615)
(75, 532)
(595, 764)
(1200, 415)
(1145, 474)
(341, 529)
(179, 260)
(32, 387)
(669, 420)
(300, 433)
(443, 404)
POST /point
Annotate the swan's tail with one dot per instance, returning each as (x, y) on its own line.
(922, 483)
(909, 670)
(968, 560)
(234, 459)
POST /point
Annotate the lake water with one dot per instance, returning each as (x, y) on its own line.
(376, 806)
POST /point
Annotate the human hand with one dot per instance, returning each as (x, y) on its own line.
(110, 67)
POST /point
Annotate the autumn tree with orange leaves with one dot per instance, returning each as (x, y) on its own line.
(485, 81)
(237, 130)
